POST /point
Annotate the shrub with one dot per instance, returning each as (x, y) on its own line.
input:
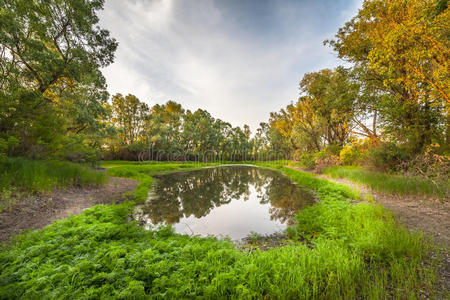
(356, 152)
(389, 156)
(307, 160)
(319, 160)
(325, 162)
(6, 145)
(316, 161)
(348, 154)
(429, 164)
(297, 155)
(334, 149)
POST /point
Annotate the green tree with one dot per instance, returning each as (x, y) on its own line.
(50, 56)
(129, 116)
(164, 126)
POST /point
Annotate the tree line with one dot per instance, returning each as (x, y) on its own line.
(392, 98)
(171, 132)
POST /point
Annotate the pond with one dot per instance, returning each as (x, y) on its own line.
(226, 201)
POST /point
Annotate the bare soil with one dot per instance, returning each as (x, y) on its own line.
(38, 211)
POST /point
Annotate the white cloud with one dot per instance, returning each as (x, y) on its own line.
(202, 56)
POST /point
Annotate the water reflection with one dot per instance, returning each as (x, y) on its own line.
(225, 201)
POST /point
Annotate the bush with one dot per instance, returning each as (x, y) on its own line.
(334, 149)
(6, 145)
(316, 161)
(430, 164)
(325, 162)
(349, 154)
(389, 156)
(356, 152)
(307, 160)
(297, 155)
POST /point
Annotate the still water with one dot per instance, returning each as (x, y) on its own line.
(224, 201)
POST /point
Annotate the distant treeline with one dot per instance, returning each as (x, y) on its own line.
(169, 132)
(388, 105)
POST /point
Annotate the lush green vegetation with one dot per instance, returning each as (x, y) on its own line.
(383, 182)
(347, 251)
(20, 177)
(54, 106)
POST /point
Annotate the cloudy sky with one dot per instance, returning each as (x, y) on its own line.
(238, 59)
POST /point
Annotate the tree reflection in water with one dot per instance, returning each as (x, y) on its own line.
(194, 195)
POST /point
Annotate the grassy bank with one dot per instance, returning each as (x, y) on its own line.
(346, 251)
(20, 177)
(394, 184)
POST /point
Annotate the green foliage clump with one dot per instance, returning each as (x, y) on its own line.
(349, 155)
(6, 144)
(307, 160)
(356, 152)
(78, 148)
(317, 160)
(389, 156)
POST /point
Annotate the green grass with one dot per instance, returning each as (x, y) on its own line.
(347, 251)
(20, 177)
(394, 184)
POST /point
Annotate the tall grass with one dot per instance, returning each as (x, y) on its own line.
(394, 184)
(352, 251)
(25, 176)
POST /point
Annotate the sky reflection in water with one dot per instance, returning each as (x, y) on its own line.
(225, 201)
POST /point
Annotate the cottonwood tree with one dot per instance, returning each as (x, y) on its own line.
(164, 126)
(50, 55)
(404, 46)
(129, 116)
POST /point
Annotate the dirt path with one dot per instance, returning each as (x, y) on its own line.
(416, 212)
(44, 209)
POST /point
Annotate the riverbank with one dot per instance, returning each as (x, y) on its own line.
(419, 213)
(425, 212)
(35, 212)
(352, 251)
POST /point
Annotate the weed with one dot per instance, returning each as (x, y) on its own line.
(391, 183)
